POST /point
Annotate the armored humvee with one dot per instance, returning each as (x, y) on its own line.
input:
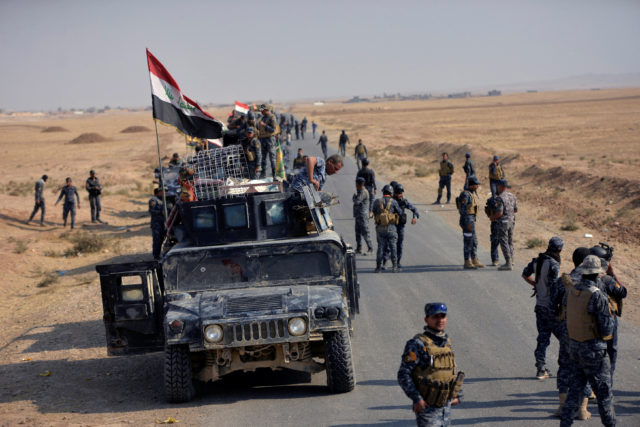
(257, 279)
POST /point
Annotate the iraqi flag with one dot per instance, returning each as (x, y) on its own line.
(170, 106)
(241, 108)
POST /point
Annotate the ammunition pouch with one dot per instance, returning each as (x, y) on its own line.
(402, 219)
(251, 156)
(436, 393)
(615, 305)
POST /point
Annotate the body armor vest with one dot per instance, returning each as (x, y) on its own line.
(445, 168)
(582, 325)
(360, 149)
(472, 208)
(438, 382)
(498, 174)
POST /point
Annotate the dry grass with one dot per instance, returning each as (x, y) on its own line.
(535, 242)
(84, 243)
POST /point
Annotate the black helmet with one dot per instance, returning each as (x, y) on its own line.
(393, 184)
(387, 189)
(579, 255)
(365, 162)
(399, 188)
(599, 251)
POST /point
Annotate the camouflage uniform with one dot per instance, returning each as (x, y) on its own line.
(591, 361)
(494, 203)
(496, 173)
(386, 235)
(361, 214)
(615, 290)
(360, 153)
(342, 143)
(469, 237)
(469, 171)
(369, 183)
(414, 355)
(446, 170)
(158, 231)
(547, 270)
(39, 201)
(69, 205)
(266, 132)
(403, 204)
(302, 178)
(253, 153)
(94, 189)
(506, 224)
(323, 145)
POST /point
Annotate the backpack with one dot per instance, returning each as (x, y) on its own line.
(459, 200)
(385, 217)
(492, 206)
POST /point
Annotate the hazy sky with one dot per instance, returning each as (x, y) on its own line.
(92, 52)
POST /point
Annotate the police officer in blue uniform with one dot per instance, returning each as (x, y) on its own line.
(467, 204)
(158, 231)
(39, 200)
(70, 195)
(386, 213)
(398, 195)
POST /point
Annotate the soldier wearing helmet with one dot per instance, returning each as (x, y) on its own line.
(369, 182)
(267, 127)
(427, 373)
(467, 204)
(468, 168)
(445, 172)
(386, 213)
(403, 203)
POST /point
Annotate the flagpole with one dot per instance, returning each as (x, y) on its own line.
(155, 123)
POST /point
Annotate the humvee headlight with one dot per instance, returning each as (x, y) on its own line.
(297, 326)
(213, 333)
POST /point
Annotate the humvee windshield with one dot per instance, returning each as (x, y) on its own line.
(211, 269)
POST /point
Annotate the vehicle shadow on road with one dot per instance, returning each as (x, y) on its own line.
(414, 268)
(62, 336)
(380, 423)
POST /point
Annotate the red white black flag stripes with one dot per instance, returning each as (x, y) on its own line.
(170, 106)
(241, 108)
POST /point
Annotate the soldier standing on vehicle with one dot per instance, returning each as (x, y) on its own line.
(386, 213)
(266, 131)
(39, 202)
(252, 152)
(506, 221)
(158, 231)
(175, 160)
(468, 168)
(467, 204)
(427, 373)
(323, 141)
(496, 173)
(361, 214)
(546, 268)
(398, 195)
(369, 182)
(314, 126)
(342, 143)
(360, 153)
(94, 189)
(69, 191)
(446, 170)
(298, 162)
(590, 325)
(315, 172)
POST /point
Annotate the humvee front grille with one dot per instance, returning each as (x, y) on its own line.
(259, 330)
(245, 304)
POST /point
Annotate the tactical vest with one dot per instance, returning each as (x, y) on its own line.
(472, 208)
(298, 162)
(582, 325)
(262, 132)
(385, 217)
(446, 168)
(498, 174)
(438, 382)
(360, 149)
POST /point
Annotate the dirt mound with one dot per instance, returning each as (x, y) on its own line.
(135, 129)
(88, 138)
(54, 129)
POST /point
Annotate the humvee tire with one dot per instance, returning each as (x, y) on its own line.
(339, 362)
(178, 379)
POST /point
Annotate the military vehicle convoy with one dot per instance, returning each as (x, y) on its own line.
(257, 278)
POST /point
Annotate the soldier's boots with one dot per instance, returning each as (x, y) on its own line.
(395, 268)
(468, 265)
(563, 398)
(437, 202)
(495, 262)
(370, 250)
(507, 266)
(359, 251)
(378, 269)
(542, 373)
(583, 413)
(477, 263)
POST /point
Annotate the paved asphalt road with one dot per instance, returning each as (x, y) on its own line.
(491, 323)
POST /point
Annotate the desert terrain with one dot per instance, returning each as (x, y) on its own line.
(573, 159)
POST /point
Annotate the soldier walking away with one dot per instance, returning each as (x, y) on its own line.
(496, 173)
(589, 325)
(369, 182)
(468, 168)
(386, 213)
(69, 191)
(398, 195)
(361, 214)
(175, 160)
(323, 141)
(467, 204)
(505, 219)
(303, 127)
(94, 189)
(297, 128)
(158, 231)
(446, 170)
(342, 143)
(427, 373)
(298, 162)
(546, 268)
(252, 152)
(360, 153)
(491, 208)
(315, 172)
(39, 200)
(314, 126)
(266, 133)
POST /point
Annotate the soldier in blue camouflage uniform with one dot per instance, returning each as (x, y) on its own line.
(468, 209)
(69, 191)
(361, 214)
(386, 232)
(469, 170)
(158, 231)
(445, 172)
(266, 133)
(494, 205)
(398, 194)
(506, 221)
(323, 144)
(496, 173)
(315, 172)
(417, 369)
(252, 152)
(369, 182)
(94, 188)
(589, 324)
(546, 268)
(39, 202)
